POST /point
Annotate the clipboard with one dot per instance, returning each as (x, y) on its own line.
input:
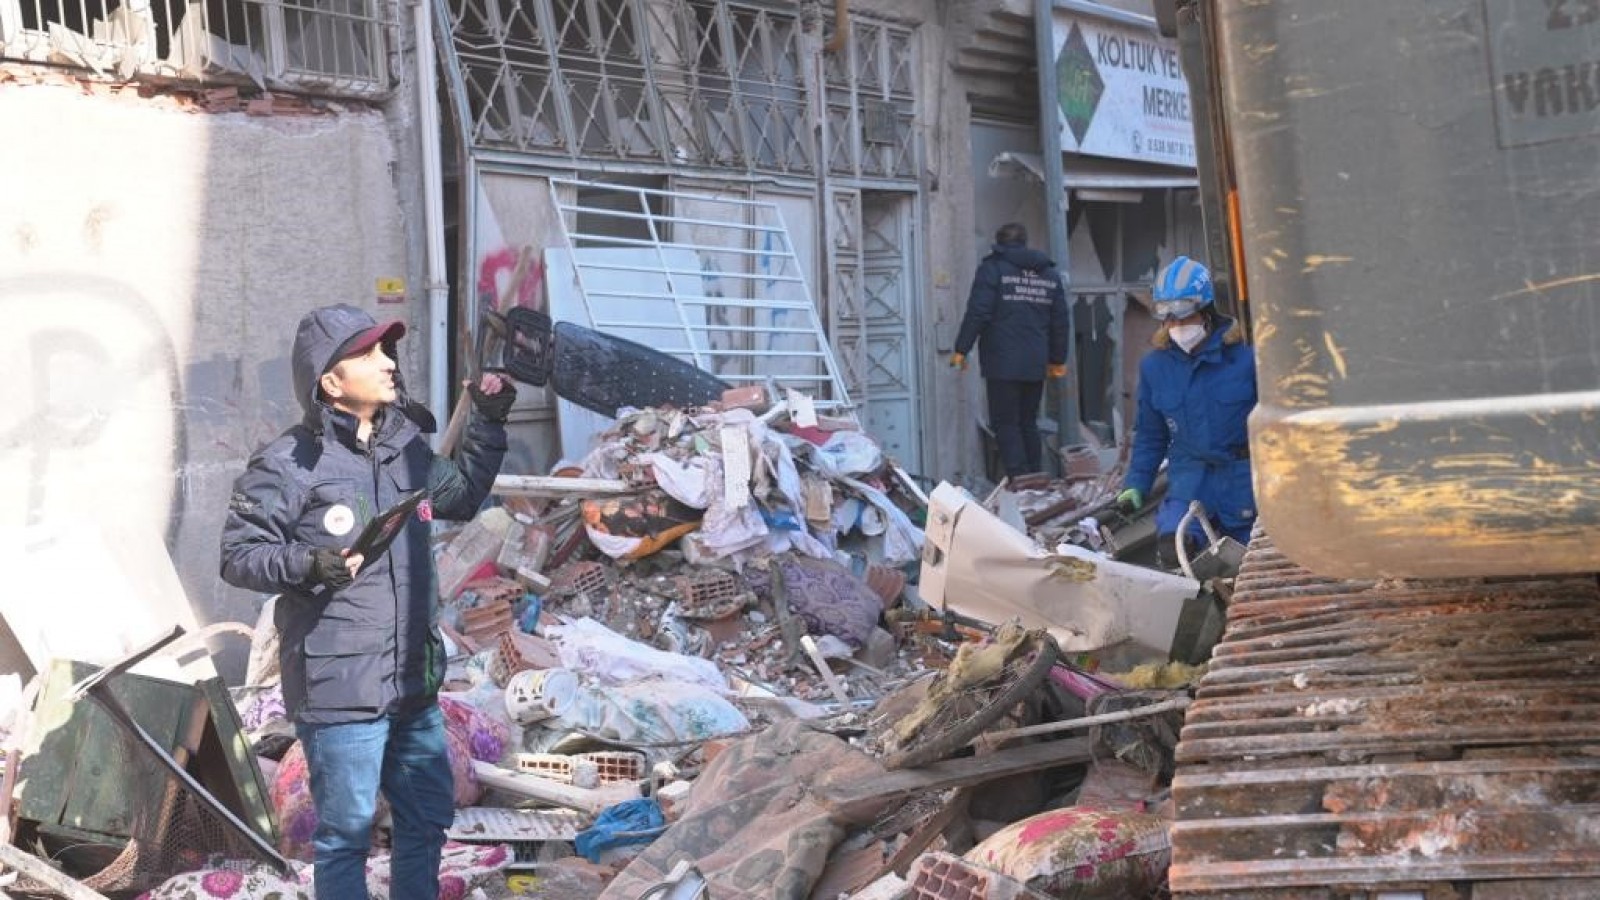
(384, 527)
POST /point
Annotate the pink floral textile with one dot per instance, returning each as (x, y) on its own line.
(1081, 853)
(258, 883)
(462, 868)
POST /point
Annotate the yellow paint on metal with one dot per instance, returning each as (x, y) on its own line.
(1336, 356)
(1333, 501)
(1541, 287)
(1258, 52)
(1317, 261)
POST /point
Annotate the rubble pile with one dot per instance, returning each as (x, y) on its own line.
(714, 657)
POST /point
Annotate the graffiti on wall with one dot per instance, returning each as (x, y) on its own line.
(511, 276)
(98, 426)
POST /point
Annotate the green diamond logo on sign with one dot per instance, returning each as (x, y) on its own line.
(1078, 82)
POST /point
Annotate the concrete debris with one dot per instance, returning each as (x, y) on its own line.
(720, 613)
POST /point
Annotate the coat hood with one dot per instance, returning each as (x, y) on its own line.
(317, 342)
(1024, 257)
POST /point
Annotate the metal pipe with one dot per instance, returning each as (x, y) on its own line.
(437, 279)
(1055, 194)
(841, 27)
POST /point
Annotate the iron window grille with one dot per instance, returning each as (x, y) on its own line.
(331, 47)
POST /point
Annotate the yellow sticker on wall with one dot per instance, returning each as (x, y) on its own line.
(391, 290)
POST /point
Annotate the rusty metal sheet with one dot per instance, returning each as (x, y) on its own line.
(1379, 736)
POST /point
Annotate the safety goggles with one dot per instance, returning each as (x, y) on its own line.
(1181, 308)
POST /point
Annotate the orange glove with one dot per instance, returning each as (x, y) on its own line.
(958, 361)
(1056, 371)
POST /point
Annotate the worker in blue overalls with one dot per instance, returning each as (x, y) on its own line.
(1196, 390)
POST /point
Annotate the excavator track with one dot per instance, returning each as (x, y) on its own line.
(1356, 740)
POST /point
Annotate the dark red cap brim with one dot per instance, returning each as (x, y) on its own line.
(361, 343)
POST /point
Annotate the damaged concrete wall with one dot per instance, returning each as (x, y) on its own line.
(155, 263)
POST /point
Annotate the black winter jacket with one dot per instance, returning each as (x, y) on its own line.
(373, 647)
(1017, 315)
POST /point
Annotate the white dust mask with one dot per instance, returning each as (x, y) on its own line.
(1187, 336)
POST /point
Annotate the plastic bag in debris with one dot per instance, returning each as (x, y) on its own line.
(726, 531)
(847, 453)
(590, 648)
(652, 712)
(636, 821)
(687, 482)
(902, 540)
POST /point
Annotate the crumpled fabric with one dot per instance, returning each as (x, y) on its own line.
(653, 712)
(463, 868)
(688, 482)
(636, 821)
(486, 736)
(1081, 852)
(590, 648)
(847, 453)
(902, 542)
(754, 822)
(825, 594)
(636, 526)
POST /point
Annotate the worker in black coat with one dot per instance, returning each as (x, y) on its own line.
(1017, 315)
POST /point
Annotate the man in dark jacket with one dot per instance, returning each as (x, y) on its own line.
(360, 650)
(1017, 315)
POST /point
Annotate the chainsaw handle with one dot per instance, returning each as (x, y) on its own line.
(1196, 510)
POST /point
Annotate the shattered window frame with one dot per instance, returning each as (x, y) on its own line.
(322, 47)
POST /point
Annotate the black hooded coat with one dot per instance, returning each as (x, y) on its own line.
(1016, 314)
(373, 647)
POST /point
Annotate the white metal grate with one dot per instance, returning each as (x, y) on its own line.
(712, 280)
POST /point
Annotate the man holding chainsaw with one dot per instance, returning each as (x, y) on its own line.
(360, 649)
(1196, 390)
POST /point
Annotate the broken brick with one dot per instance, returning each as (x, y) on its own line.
(752, 397)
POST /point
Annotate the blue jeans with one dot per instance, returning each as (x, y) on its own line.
(349, 762)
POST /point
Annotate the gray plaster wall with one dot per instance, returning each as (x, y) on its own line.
(154, 264)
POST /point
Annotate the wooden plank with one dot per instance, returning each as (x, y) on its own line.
(918, 841)
(848, 871)
(43, 872)
(863, 796)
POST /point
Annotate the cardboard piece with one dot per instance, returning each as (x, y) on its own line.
(975, 565)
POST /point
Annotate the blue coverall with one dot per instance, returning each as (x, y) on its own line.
(1193, 409)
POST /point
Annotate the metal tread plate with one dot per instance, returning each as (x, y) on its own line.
(1436, 739)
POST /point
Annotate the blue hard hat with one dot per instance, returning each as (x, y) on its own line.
(1182, 288)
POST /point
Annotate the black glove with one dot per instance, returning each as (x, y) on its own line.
(328, 567)
(495, 407)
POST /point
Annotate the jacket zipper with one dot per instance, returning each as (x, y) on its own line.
(394, 589)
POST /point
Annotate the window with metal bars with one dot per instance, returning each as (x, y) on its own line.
(331, 47)
(712, 83)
